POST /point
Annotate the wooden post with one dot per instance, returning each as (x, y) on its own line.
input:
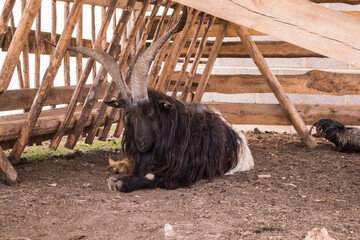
(47, 82)
(37, 49)
(25, 54)
(17, 44)
(93, 36)
(18, 65)
(53, 25)
(210, 62)
(98, 45)
(67, 80)
(79, 42)
(7, 168)
(188, 55)
(275, 86)
(5, 17)
(91, 99)
(190, 77)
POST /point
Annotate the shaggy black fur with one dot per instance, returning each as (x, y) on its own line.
(346, 139)
(189, 142)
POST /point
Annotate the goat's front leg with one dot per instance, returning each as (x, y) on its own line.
(129, 184)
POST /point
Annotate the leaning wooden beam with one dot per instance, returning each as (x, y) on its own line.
(299, 22)
(47, 81)
(5, 17)
(313, 82)
(188, 55)
(124, 55)
(25, 54)
(85, 74)
(7, 168)
(92, 96)
(17, 44)
(161, 22)
(275, 86)
(210, 63)
(190, 77)
(273, 114)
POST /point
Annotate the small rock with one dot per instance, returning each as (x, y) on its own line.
(52, 184)
(264, 176)
(257, 131)
(168, 230)
(86, 185)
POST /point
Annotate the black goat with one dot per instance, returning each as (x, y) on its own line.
(346, 139)
(170, 144)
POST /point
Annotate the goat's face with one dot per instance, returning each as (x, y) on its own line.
(143, 118)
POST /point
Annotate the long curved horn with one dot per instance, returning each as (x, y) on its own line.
(108, 62)
(140, 72)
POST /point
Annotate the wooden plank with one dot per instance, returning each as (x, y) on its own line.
(23, 98)
(79, 42)
(312, 82)
(275, 86)
(7, 168)
(67, 80)
(16, 46)
(272, 114)
(47, 81)
(37, 49)
(300, 22)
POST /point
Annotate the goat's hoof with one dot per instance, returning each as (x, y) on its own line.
(114, 184)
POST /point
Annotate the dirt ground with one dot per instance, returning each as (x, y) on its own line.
(291, 190)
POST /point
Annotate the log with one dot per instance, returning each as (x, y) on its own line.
(85, 74)
(7, 168)
(210, 63)
(190, 77)
(92, 96)
(47, 81)
(272, 114)
(275, 86)
(299, 22)
(79, 40)
(17, 44)
(313, 82)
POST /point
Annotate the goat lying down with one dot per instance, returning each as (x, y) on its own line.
(346, 139)
(169, 144)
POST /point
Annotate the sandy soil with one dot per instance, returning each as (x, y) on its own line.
(291, 190)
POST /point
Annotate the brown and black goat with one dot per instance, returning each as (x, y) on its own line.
(169, 143)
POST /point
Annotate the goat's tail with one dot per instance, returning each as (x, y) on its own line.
(245, 158)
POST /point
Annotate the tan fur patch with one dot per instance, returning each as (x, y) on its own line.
(122, 166)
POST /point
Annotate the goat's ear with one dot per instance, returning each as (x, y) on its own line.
(116, 103)
(165, 104)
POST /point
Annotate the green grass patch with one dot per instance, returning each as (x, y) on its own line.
(38, 153)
